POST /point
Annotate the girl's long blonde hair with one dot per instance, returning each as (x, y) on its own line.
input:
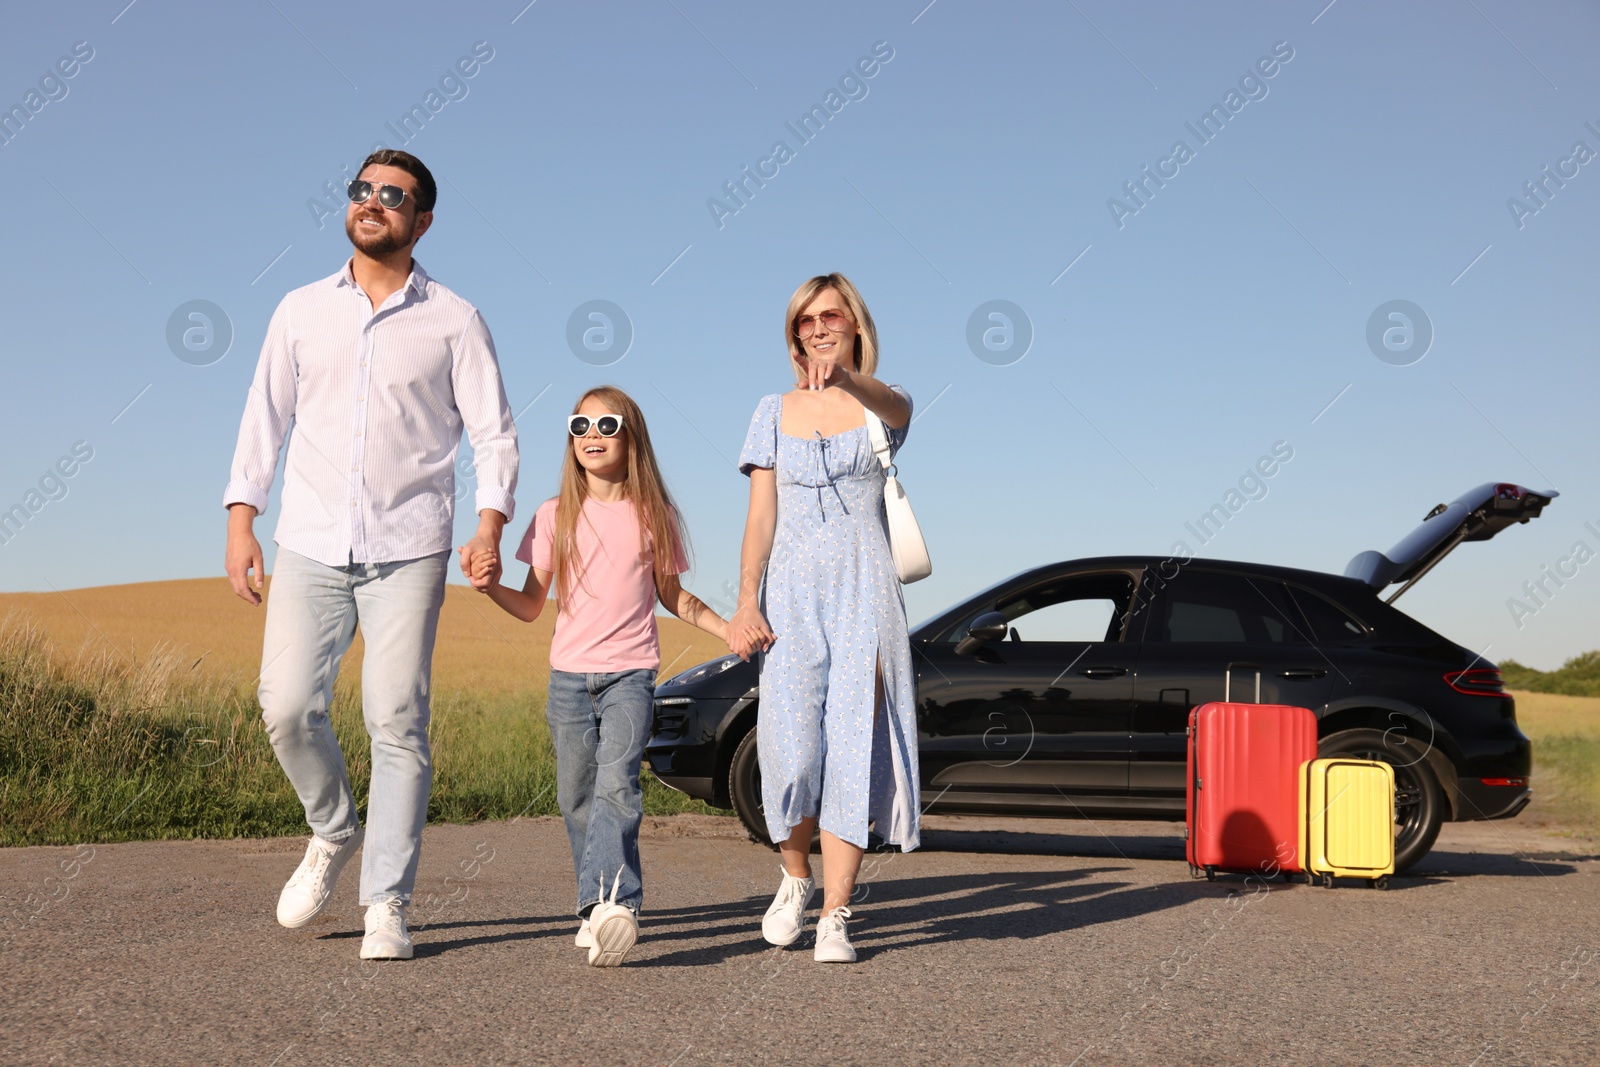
(659, 524)
(866, 350)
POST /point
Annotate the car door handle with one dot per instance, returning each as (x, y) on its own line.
(1303, 672)
(1103, 672)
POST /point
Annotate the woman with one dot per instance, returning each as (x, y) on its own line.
(837, 740)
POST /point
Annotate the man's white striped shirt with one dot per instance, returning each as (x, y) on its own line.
(378, 400)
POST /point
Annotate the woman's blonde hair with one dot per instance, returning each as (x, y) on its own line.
(866, 351)
(659, 525)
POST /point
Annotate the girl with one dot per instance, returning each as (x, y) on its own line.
(612, 543)
(838, 732)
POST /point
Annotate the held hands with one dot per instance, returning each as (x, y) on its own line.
(821, 373)
(748, 632)
(480, 564)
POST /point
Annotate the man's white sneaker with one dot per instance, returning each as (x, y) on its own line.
(613, 929)
(308, 890)
(786, 915)
(584, 938)
(833, 939)
(387, 937)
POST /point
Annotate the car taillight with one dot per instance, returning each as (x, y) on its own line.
(1478, 681)
(1520, 782)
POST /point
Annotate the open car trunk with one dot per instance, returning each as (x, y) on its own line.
(1474, 516)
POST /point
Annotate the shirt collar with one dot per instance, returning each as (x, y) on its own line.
(417, 280)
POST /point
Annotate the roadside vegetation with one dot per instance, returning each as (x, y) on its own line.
(103, 746)
(1566, 758)
(115, 745)
(1578, 677)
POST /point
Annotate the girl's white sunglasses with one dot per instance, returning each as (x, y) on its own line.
(607, 425)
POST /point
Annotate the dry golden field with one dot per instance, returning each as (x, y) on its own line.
(480, 647)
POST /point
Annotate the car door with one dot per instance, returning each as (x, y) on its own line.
(1044, 708)
(1212, 634)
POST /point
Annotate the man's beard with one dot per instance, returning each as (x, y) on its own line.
(379, 245)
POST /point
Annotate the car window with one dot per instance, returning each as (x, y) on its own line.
(1090, 608)
(1229, 608)
(1329, 622)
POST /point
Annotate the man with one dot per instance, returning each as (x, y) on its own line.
(380, 367)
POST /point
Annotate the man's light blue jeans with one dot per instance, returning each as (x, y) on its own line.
(599, 723)
(312, 613)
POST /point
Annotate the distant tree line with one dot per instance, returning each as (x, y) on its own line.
(1578, 677)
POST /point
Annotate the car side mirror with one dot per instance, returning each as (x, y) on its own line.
(986, 628)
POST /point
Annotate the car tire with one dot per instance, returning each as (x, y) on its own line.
(744, 789)
(1419, 802)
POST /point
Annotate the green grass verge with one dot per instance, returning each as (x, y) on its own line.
(1567, 776)
(1565, 731)
(102, 749)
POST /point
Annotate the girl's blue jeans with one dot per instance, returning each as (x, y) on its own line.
(599, 723)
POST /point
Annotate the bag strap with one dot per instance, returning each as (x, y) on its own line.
(880, 442)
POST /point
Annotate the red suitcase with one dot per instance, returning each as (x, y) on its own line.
(1243, 798)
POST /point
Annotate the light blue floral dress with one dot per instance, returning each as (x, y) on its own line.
(832, 598)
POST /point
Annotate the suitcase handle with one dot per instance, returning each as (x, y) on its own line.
(1227, 681)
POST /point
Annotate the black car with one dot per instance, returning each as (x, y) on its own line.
(1065, 690)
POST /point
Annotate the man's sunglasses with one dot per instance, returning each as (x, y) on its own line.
(390, 196)
(607, 425)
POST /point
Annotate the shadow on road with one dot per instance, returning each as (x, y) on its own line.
(515, 930)
(1448, 865)
(917, 911)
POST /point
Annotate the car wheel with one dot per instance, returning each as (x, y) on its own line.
(1418, 800)
(744, 789)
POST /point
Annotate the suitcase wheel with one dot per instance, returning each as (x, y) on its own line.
(1381, 882)
(1211, 874)
(1327, 881)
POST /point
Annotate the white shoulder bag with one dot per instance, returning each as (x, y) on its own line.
(910, 551)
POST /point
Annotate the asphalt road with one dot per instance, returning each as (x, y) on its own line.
(1001, 941)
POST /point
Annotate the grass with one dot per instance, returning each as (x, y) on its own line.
(1566, 758)
(108, 746)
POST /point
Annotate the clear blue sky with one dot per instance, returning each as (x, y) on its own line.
(977, 163)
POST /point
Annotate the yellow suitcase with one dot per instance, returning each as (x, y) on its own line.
(1347, 820)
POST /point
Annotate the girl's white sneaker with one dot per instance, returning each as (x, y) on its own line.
(833, 939)
(786, 915)
(583, 938)
(613, 928)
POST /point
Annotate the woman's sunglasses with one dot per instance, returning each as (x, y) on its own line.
(806, 325)
(606, 425)
(390, 196)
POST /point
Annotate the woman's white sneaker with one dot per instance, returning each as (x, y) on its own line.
(786, 915)
(387, 937)
(583, 938)
(833, 938)
(311, 886)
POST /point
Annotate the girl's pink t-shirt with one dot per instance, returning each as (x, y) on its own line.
(609, 624)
